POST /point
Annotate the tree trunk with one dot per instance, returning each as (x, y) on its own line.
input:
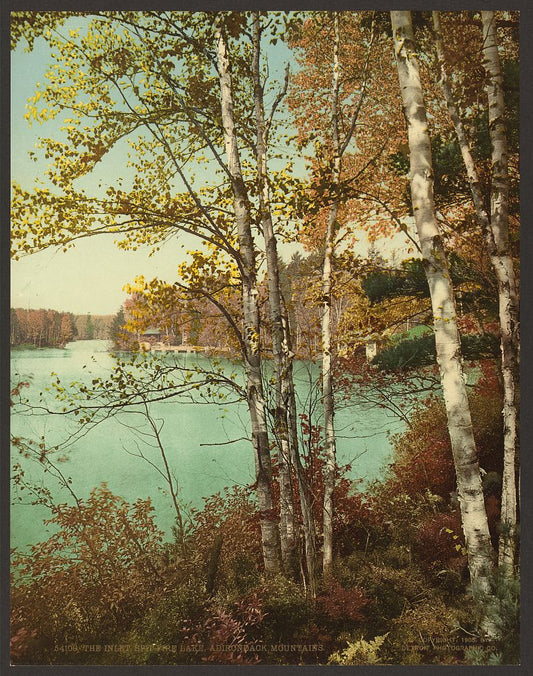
(285, 405)
(470, 493)
(279, 350)
(304, 491)
(495, 232)
(327, 362)
(252, 358)
(507, 291)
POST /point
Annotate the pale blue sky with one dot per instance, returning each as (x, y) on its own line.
(90, 277)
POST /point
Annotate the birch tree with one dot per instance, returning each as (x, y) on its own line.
(162, 83)
(498, 245)
(281, 429)
(334, 107)
(448, 349)
(251, 330)
(495, 229)
(327, 277)
(285, 403)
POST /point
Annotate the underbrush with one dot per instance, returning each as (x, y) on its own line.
(398, 597)
(106, 589)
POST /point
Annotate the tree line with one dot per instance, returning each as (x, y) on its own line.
(51, 328)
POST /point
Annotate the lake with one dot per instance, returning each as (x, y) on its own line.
(195, 436)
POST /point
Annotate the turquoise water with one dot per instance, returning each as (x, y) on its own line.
(195, 436)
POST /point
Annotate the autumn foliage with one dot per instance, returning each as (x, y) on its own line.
(96, 573)
(187, 100)
(107, 569)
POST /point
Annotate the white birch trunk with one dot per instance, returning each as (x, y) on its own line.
(282, 359)
(286, 415)
(497, 242)
(252, 358)
(470, 494)
(327, 360)
(507, 292)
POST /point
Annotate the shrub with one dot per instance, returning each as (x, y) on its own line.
(340, 606)
(422, 454)
(359, 651)
(232, 519)
(425, 633)
(439, 543)
(92, 578)
(238, 623)
(502, 610)
(356, 525)
(391, 589)
(245, 573)
(286, 609)
(168, 620)
(400, 513)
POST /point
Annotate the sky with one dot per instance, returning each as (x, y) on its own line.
(89, 277)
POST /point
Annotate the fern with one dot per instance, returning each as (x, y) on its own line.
(359, 652)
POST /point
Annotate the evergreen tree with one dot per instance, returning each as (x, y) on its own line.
(116, 331)
(89, 329)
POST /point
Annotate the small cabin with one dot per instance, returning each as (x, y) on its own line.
(151, 335)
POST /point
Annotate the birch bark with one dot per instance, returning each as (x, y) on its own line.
(285, 404)
(495, 232)
(279, 349)
(507, 291)
(327, 359)
(469, 489)
(252, 357)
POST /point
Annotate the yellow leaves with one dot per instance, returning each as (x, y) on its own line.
(153, 303)
(458, 546)
(138, 286)
(210, 267)
(34, 113)
(253, 340)
(469, 287)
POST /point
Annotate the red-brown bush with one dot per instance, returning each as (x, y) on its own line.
(339, 604)
(440, 543)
